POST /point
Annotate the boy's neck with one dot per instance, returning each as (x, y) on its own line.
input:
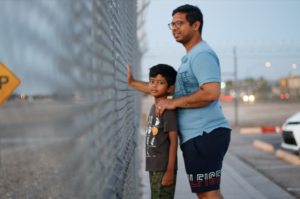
(157, 99)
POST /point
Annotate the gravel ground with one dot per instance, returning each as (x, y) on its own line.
(34, 173)
(41, 158)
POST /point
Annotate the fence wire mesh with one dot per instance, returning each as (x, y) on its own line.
(74, 135)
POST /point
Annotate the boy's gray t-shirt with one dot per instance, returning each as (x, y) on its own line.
(157, 139)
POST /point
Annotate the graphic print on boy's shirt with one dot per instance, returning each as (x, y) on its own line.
(157, 139)
(152, 131)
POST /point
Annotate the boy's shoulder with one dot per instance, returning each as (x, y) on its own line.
(169, 119)
(167, 111)
(169, 114)
(152, 109)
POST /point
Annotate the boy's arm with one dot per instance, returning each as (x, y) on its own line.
(138, 85)
(168, 177)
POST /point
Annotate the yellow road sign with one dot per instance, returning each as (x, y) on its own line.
(8, 83)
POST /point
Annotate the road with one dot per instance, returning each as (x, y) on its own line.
(250, 115)
(260, 113)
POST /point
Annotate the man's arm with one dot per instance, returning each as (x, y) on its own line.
(207, 94)
(168, 177)
(138, 85)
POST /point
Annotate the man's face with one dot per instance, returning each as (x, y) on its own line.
(185, 32)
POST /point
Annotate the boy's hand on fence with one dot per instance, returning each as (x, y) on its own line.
(129, 75)
(168, 178)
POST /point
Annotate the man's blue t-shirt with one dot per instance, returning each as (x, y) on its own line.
(199, 66)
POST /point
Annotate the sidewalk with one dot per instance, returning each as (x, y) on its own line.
(239, 181)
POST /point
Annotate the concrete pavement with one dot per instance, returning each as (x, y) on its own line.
(239, 181)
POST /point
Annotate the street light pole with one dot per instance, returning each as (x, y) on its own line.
(235, 87)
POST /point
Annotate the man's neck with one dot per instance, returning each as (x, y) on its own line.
(194, 41)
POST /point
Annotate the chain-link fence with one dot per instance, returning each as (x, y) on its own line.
(73, 134)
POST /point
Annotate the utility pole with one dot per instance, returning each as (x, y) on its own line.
(235, 87)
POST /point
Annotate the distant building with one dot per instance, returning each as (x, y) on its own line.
(276, 90)
(290, 86)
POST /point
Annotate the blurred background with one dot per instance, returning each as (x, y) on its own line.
(258, 47)
(74, 129)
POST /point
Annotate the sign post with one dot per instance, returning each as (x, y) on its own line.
(8, 83)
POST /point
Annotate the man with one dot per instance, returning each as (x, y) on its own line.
(203, 130)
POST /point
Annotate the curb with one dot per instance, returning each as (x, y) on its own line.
(262, 129)
(263, 146)
(254, 130)
(288, 157)
(271, 129)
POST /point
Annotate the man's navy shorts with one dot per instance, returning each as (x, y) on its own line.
(203, 157)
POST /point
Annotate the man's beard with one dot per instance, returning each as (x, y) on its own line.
(184, 40)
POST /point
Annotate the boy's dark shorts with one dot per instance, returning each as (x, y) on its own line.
(157, 190)
(203, 157)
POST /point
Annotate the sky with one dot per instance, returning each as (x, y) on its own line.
(261, 31)
(35, 44)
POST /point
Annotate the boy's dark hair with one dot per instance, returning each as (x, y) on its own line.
(193, 14)
(164, 70)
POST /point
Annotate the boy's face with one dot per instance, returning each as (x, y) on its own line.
(158, 86)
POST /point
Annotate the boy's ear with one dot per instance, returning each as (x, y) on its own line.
(170, 90)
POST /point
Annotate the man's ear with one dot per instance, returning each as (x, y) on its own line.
(170, 90)
(196, 25)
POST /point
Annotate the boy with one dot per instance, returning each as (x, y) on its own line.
(161, 134)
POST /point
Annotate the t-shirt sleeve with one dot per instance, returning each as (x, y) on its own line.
(169, 120)
(206, 68)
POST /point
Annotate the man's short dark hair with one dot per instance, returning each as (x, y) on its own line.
(164, 70)
(193, 14)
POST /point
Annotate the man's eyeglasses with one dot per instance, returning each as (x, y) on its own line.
(177, 24)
